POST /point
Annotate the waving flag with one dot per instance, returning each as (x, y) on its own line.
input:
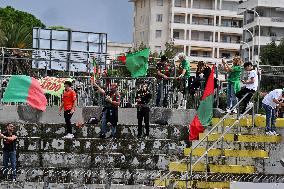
(204, 113)
(26, 89)
(137, 63)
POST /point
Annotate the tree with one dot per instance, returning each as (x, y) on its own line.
(15, 36)
(272, 54)
(9, 15)
(171, 50)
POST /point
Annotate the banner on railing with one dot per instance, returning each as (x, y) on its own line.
(53, 85)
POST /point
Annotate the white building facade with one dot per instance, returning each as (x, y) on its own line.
(270, 20)
(203, 29)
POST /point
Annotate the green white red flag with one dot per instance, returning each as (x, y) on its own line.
(25, 89)
(204, 112)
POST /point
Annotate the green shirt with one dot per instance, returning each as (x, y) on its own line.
(185, 65)
(235, 77)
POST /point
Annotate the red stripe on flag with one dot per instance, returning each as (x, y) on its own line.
(195, 128)
(36, 97)
(209, 88)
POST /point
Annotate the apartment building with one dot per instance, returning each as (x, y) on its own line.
(203, 29)
(271, 21)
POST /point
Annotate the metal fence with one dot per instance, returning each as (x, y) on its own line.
(87, 95)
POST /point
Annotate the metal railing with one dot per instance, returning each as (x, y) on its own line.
(170, 92)
(189, 163)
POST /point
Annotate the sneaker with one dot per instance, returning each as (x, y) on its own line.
(274, 132)
(228, 110)
(250, 104)
(269, 133)
(69, 136)
(235, 111)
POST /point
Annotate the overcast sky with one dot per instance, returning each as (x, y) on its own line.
(111, 16)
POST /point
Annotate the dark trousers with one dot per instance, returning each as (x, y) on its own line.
(67, 117)
(143, 112)
(246, 100)
(9, 157)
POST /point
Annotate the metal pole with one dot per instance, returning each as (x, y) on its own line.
(2, 73)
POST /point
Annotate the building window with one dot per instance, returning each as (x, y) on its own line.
(142, 36)
(158, 49)
(141, 3)
(159, 18)
(160, 2)
(206, 54)
(176, 35)
(144, 3)
(226, 55)
(194, 53)
(177, 3)
(158, 33)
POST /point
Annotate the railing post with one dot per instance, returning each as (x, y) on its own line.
(206, 160)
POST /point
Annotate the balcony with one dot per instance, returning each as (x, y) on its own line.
(264, 40)
(208, 12)
(276, 22)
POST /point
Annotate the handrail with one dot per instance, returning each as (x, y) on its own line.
(216, 142)
(207, 134)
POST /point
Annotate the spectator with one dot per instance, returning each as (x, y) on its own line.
(163, 72)
(110, 110)
(271, 103)
(143, 97)
(184, 74)
(234, 82)
(9, 150)
(250, 86)
(69, 105)
(202, 73)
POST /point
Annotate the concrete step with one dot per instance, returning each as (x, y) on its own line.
(259, 121)
(92, 131)
(97, 145)
(193, 184)
(200, 167)
(87, 176)
(95, 160)
(228, 153)
(243, 138)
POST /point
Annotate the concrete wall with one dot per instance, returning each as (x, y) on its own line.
(126, 115)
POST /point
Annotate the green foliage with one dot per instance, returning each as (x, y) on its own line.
(13, 35)
(16, 28)
(171, 50)
(9, 15)
(272, 54)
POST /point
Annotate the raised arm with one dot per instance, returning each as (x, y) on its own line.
(100, 89)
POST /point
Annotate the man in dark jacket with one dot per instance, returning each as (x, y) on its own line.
(9, 150)
(143, 97)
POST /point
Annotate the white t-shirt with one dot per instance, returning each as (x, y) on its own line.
(275, 94)
(254, 85)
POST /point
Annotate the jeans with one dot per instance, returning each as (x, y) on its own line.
(161, 89)
(112, 118)
(246, 100)
(9, 157)
(270, 117)
(231, 96)
(143, 112)
(67, 117)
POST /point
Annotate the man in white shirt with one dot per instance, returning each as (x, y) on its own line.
(250, 85)
(271, 103)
